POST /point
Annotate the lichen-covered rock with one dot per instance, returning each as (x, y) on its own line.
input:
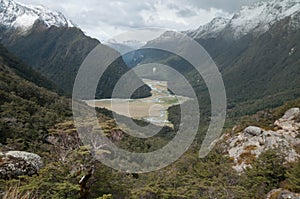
(31, 158)
(17, 163)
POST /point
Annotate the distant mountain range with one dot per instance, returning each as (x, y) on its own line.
(127, 45)
(257, 52)
(54, 46)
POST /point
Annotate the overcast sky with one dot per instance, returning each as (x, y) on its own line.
(104, 19)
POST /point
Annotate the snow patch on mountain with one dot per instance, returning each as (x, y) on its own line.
(257, 18)
(210, 30)
(19, 16)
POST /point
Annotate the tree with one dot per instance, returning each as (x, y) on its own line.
(267, 172)
(293, 178)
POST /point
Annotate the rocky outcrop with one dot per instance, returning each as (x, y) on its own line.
(282, 194)
(17, 163)
(290, 121)
(291, 113)
(247, 145)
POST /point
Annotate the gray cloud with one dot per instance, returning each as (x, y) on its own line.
(227, 5)
(103, 19)
(186, 13)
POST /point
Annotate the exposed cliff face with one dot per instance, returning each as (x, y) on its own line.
(247, 145)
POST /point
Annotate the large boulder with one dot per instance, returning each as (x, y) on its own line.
(17, 163)
(253, 130)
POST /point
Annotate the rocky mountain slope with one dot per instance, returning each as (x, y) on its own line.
(244, 147)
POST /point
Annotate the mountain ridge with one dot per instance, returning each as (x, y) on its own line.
(22, 17)
(57, 49)
(257, 18)
(265, 65)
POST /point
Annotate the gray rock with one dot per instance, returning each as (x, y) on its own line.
(31, 158)
(291, 113)
(289, 122)
(17, 163)
(253, 130)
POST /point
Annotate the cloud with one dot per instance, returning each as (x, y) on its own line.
(104, 19)
(186, 13)
(226, 5)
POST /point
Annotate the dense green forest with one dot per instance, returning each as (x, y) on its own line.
(31, 114)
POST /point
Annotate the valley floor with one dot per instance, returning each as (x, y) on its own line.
(153, 109)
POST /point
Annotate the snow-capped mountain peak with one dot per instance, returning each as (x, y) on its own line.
(257, 19)
(210, 30)
(20, 16)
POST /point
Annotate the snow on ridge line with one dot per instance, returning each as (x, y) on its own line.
(256, 18)
(18, 15)
(259, 17)
(210, 29)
